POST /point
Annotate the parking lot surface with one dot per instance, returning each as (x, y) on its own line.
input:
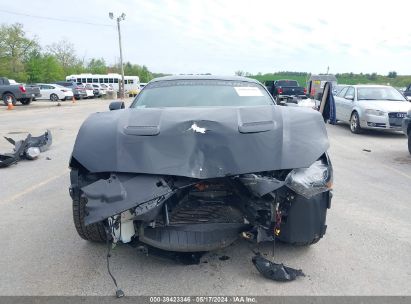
(366, 251)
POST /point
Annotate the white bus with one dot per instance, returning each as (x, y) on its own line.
(131, 83)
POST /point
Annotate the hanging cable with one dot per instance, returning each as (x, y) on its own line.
(109, 242)
(53, 18)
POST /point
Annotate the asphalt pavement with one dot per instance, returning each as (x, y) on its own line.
(366, 251)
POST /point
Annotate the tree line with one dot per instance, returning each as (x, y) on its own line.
(24, 60)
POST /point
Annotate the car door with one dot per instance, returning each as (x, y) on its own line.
(339, 103)
(45, 91)
(348, 103)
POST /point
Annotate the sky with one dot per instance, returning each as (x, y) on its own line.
(224, 36)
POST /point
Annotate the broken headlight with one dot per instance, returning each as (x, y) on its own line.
(312, 180)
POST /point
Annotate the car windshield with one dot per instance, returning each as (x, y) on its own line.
(201, 93)
(379, 93)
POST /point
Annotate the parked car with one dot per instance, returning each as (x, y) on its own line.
(106, 87)
(79, 92)
(98, 90)
(89, 89)
(371, 107)
(235, 162)
(17, 92)
(142, 85)
(337, 89)
(284, 89)
(406, 127)
(54, 92)
(407, 92)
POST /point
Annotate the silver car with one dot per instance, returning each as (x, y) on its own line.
(371, 107)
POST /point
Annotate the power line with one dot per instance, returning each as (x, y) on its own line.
(54, 19)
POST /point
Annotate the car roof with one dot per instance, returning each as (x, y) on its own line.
(205, 77)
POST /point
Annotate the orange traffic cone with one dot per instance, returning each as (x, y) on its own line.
(10, 105)
(73, 100)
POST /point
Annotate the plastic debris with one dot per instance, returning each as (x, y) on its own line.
(28, 148)
(274, 271)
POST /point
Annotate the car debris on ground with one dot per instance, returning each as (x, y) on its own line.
(29, 148)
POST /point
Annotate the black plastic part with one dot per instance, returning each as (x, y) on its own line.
(116, 105)
(192, 237)
(274, 271)
(107, 197)
(260, 185)
(42, 142)
(305, 222)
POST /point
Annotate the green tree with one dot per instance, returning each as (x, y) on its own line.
(392, 74)
(65, 54)
(136, 70)
(43, 68)
(97, 66)
(14, 50)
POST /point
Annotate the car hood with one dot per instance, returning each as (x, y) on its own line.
(200, 142)
(386, 105)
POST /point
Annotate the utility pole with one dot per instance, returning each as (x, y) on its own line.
(118, 19)
(328, 68)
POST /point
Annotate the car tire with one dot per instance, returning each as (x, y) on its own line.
(54, 97)
(409, 141)
(94, 232)
(9, 96)
(26, 101)
(355, 123)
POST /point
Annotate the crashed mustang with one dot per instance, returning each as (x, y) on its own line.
(197, 161)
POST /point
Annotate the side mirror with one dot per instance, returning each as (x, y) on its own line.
(349, 97)
(116, 105)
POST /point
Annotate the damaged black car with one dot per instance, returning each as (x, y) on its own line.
(197, 161)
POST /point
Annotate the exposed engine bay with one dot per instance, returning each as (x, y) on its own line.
(191, 215)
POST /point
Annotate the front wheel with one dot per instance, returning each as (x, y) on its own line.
(355, 123)
(9, 98)
(94, 232)
(54, 97)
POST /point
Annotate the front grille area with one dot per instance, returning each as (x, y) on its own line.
(395, 118)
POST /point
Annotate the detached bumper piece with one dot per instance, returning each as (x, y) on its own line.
(29, 148)
(274, 271)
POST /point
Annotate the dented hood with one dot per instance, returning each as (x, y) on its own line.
(201, 142)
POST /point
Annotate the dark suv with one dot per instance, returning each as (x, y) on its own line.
(79, 92)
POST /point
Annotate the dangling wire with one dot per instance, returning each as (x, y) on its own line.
(109, 242)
